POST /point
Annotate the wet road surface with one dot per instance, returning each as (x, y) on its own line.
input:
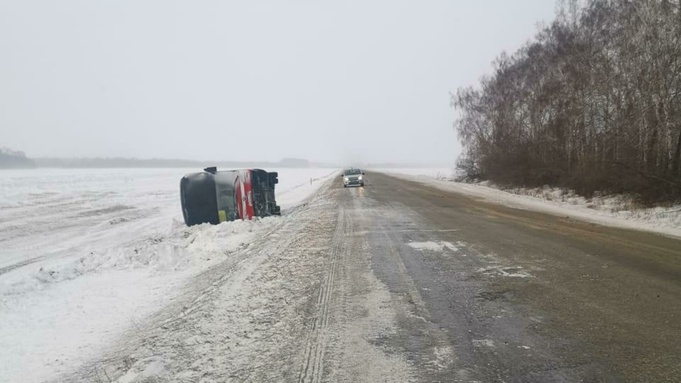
(483, 292)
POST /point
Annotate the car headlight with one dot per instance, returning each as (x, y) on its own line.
(359, 178)
(346, 179)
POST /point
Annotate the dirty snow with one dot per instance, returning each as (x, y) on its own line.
(435, 246)
(483, 343)
(85, 254)
(432, 246)
(505, 271)
(616, 211)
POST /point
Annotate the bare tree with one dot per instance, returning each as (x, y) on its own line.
(593, 102)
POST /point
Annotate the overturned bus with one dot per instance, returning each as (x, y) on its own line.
(214, 196)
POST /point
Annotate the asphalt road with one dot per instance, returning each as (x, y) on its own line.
(482, 292)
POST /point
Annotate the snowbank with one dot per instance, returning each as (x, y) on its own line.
(62, 312)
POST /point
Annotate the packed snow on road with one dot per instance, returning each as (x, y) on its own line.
(86, 255)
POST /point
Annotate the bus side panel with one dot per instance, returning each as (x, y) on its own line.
(225, 190)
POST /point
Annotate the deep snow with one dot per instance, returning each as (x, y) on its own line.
(85, 254)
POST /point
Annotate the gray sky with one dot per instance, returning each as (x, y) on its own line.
(342, 81)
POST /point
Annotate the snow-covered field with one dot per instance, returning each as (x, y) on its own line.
(614, 211)
(441, 173)
(86, 253)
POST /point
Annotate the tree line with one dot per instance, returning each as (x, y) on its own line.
(118, 162)
(592, 102)
(10, 159)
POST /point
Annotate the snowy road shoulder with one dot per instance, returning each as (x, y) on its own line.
(602, 211)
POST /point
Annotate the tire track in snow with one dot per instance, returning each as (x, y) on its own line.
(7, 269)
(362, 320)
(312, 367)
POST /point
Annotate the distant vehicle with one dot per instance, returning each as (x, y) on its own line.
(353, 176)
(214, 196)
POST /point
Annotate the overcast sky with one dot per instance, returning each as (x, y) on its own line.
(342, 81)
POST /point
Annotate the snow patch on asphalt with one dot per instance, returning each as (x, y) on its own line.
(431, 246)
(437, 246)
(364, 333)
(483, 343)
(505, 271)
(444, 356)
